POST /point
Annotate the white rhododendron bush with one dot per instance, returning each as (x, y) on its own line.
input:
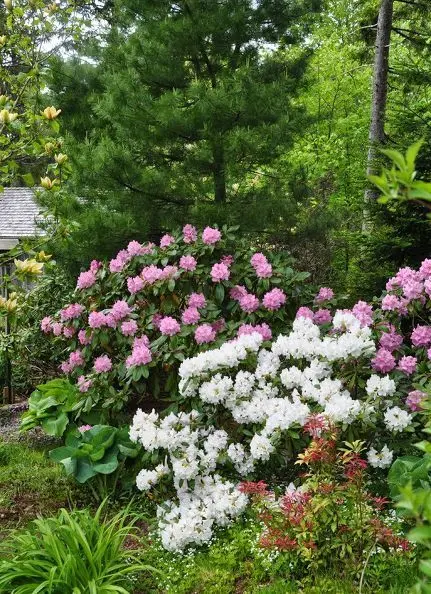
(246, 395)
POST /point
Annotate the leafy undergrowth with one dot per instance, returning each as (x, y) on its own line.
(233, 563)
(30, 484)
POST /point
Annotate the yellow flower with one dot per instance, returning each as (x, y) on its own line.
(9, 305)
(49, 147)
(61, 158)
(43, 257)
(46, 183)
(30, 266)
(3, 40)
(8, 4)
(51, 113)
(6, 116)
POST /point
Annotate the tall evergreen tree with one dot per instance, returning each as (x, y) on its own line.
(196, 99)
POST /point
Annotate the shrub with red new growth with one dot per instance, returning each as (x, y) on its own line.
(331, 520)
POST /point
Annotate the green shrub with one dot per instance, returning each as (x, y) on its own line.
(76, 552)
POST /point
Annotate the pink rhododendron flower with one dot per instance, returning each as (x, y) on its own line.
(274, 299)
(305, 312)
(169, 326)
(111, 322)
(169, 272)
(413, 289)
(120, 310)
(134, 248)
(258, 259)
(102, 364)
(391, 340)
(71, 312)
(237, 292)
(141, 355)
(118, 263)
(407, 365)
(191, 316)
(166, 240)
(324, 294)
(95, 265)
(363, 312)
(84, 384)
(190, 234)
(322, 316)
(264, 271)
(57, 328)
(211, 235)
(204, 334)
(135, 284)
(425, 269)
(391, 303)
(129, 328)
(141, 341)
(197, 300)
(148, 249)
(421, 336)
(151, 274)
(219, 272)
(249, 302)
(76, 359)
(86, 280)
(84, 428)
(415, 399)
(384, 361)
(263, 329)
(46, 324)
(97, 319)
(83, 338)
(68, 331)
(188, 263)
(65, 367)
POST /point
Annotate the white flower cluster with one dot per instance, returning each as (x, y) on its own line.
(273, 389)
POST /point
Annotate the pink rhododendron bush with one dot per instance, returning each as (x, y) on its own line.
(136, 318)
(251, 402)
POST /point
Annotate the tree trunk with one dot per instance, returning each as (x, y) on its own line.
(219, 172)
(376, 136)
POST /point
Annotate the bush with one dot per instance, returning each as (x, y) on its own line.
(136, 319)
(251, 402)
(73, 552)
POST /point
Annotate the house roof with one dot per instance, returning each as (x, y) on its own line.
(18, 213)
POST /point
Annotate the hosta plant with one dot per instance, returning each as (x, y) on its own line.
(93, 451)
(135, 319)
(78, 552)
(49, 407)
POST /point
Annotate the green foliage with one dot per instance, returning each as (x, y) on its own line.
(412, 470)
(48, 407)
(76, 551)
(98, 450)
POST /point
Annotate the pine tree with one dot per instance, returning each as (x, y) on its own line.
(197, 99)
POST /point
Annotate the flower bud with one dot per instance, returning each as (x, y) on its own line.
(61, 158)
(49, 147)
(6, 116)
(46, 183)
(51, 113)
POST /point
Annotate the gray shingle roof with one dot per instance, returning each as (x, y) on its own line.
(18, 213)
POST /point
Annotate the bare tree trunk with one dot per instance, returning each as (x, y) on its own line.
(376, 136)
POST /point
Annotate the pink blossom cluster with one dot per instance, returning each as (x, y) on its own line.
(415, 399)
(261, 265)
(205, 333)
(324, 294)
(169, 326)
(210, 235)
(263, 329)
(190, 234)
(121, 259)
(75, 360)
(274, 299)
(166, 241)
(102, 364)
(71, 312)
(220, 272)
(86, 279)
(141, 353)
